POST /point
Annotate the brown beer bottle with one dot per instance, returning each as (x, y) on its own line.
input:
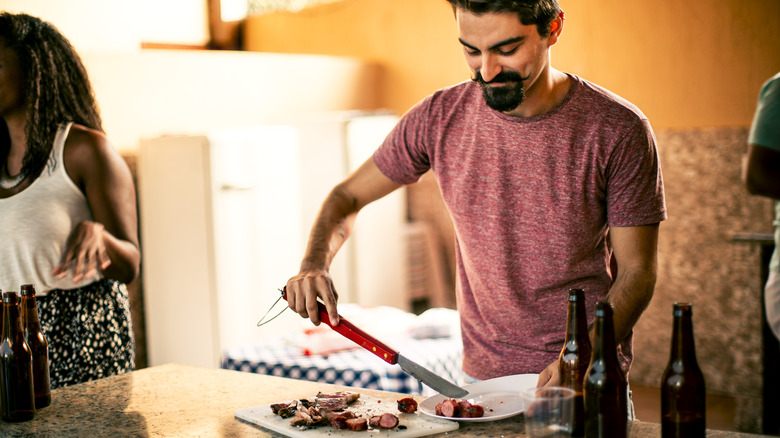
(682, 385)
(16, 381)
(39, 347)
(575, 356)
(605, 387)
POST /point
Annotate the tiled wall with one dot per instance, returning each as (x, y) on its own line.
(699, 261)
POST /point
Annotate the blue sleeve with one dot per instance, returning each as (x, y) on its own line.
(765, 130)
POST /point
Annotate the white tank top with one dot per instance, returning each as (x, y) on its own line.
(35, 224)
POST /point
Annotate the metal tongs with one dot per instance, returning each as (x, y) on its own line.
(389, 355)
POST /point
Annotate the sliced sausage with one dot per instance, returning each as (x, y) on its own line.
(407, 405)
(473, 411)
(388, 421)
(450, 408)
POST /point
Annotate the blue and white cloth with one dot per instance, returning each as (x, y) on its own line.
(358, 367)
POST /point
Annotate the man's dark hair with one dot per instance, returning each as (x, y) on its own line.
(538, 12)
(56, 87)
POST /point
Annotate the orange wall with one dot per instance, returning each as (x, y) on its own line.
(685, 63)
(414, 40)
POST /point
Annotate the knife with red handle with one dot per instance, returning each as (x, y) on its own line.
(389, 355)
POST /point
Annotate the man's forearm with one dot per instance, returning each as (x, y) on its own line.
(630, 295)
(331, 229)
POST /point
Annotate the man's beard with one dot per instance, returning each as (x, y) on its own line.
(506, 97)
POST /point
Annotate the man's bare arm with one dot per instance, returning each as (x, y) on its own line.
(331, 229)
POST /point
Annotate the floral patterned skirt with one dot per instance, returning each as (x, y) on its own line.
(89, 331)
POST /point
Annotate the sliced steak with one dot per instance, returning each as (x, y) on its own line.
(284, 410)
(357, 424)
(336, 401)
(301, 419)
(339, 422)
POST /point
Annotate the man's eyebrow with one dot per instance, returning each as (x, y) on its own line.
(497, 45)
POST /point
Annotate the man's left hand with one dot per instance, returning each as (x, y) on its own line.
(549, 376)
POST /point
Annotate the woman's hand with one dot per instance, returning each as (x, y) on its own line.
(85, 252)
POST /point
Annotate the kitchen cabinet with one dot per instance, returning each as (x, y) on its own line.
(225, 218)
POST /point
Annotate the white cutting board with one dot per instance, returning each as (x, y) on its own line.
(416, 425)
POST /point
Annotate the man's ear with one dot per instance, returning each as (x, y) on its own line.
(556, 26)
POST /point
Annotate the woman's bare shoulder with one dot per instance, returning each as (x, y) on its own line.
(88, 153)
(86, 140)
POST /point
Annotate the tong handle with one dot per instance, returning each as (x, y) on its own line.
(356, 335)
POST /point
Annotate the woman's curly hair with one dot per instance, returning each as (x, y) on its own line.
(56, 87)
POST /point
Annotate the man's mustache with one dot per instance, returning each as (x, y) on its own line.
(504, 76)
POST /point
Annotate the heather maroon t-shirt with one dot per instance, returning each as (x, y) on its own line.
(531, 200)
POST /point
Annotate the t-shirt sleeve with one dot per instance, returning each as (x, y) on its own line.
(635, 189)
(765, 130)
(403, 156)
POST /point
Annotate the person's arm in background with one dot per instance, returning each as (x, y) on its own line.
(761, 175)
(331, 229)
(761, 170)
(635, 250)
(110, 241)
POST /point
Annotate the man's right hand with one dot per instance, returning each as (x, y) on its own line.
(303, 291)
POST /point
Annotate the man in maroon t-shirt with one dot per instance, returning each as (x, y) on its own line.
(536, 167)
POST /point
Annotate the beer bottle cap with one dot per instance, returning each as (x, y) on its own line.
(28, 290)
(602, 307)
(683, 308)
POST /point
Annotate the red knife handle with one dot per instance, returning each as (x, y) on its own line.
(356, 335)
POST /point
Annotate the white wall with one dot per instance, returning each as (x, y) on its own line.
(111, 25)
(149, 93)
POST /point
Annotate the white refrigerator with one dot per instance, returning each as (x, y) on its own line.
(225, 217)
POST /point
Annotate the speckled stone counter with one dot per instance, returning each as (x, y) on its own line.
(183, 401)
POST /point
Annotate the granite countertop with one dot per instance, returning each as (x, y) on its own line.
(184, 401)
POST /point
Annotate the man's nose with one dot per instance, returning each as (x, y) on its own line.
(490, 67)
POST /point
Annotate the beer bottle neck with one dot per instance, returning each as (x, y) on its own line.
(576, 317)
(605, 346)
(11, 320)
(683, 345)
(6, 329)
(605, 336)
(29, 310)
(571, 321)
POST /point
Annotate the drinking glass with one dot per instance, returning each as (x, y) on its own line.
(549, 411)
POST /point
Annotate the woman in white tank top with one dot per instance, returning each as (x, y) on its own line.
(67, 204)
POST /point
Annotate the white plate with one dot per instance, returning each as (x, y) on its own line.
(500, 397)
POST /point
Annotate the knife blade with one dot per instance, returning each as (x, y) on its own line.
(438, 383)
(389, 355)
